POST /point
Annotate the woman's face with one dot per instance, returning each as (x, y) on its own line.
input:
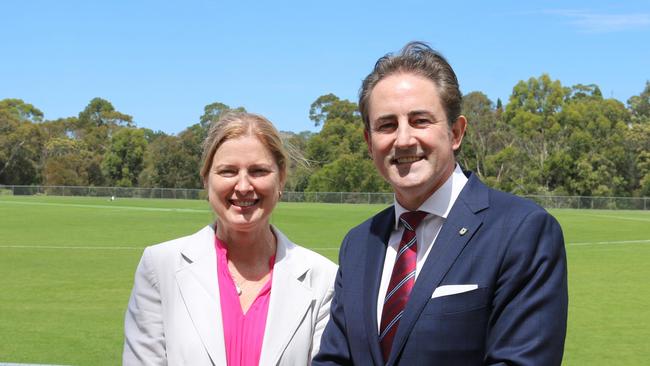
(243, 184)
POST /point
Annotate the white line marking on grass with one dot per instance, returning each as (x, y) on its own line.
(109, 206)
(26, 364)
(645, 241)
(67, 247)
(99, 248)
(642, 219)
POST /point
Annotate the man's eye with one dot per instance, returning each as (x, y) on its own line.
(388, 126)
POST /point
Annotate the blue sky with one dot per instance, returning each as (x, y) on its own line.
(163, 61)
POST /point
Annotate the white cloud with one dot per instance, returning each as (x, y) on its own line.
(590, 22)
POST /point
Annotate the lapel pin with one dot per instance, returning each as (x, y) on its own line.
(462, 231)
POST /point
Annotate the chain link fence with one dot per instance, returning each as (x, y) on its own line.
(172, 193)
(577, 202)
(601, 203)
(338, 197)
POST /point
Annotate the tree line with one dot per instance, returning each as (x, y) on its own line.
(547, 139)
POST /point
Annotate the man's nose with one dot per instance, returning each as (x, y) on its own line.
(404, 137)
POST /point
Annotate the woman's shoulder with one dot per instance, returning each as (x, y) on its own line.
(174, 246)
(316, 261)
(165, 258)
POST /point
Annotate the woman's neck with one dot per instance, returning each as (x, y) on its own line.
(250, 246)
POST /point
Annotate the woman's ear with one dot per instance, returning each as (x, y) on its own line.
(282, 182)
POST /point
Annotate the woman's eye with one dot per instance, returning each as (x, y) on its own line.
(226, 172)
(259, 172)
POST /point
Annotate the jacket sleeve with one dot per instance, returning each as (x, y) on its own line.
(323, 315)
(334, 348)
(144, 340)
(529, 317)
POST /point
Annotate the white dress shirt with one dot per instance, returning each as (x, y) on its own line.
(438, 206)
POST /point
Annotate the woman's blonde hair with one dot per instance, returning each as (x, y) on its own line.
(237, 124)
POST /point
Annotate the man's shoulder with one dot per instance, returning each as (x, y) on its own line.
(501, 200)
(384, 216)
(505, 203)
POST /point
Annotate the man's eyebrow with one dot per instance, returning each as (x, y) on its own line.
(420, 113)
(411, 114)
(385, 117)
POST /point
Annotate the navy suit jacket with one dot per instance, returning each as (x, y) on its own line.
(508, 246)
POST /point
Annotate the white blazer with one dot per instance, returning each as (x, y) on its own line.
(174, 313)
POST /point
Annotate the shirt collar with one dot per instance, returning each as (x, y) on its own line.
(441, 201)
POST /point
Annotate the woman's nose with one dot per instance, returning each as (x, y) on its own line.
(243, 184)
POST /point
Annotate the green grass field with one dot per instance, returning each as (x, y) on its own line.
(67, 264)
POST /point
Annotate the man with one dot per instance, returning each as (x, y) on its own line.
(469, 275)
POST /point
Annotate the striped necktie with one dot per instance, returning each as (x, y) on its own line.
(401, 281)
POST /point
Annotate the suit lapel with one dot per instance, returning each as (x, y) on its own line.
(290, 300)
(461, 224)
(375, 248)
(199, 289)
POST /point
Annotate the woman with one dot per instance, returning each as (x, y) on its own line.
(237, 292)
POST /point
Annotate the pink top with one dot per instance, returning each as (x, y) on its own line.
(243, 333)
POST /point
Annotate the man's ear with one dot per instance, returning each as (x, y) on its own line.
(366, 136)
(458, 131)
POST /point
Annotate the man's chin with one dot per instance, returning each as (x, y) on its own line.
(405, 178)
(408, 186)
(404, 170)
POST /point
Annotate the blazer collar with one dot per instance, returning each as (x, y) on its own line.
(291, 298)
(375, 252)
(197, 281)
(459, 228)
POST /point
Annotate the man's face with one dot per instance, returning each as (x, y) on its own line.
(409, 139)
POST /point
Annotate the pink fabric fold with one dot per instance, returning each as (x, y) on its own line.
(243, 333)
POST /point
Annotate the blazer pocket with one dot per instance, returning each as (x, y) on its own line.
(465, 301)
(447, 290)
(454, 325)
(458, 303)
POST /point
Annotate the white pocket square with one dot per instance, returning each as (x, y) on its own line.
(452, 290)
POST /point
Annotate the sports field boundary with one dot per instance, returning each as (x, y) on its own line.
(619, 242)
